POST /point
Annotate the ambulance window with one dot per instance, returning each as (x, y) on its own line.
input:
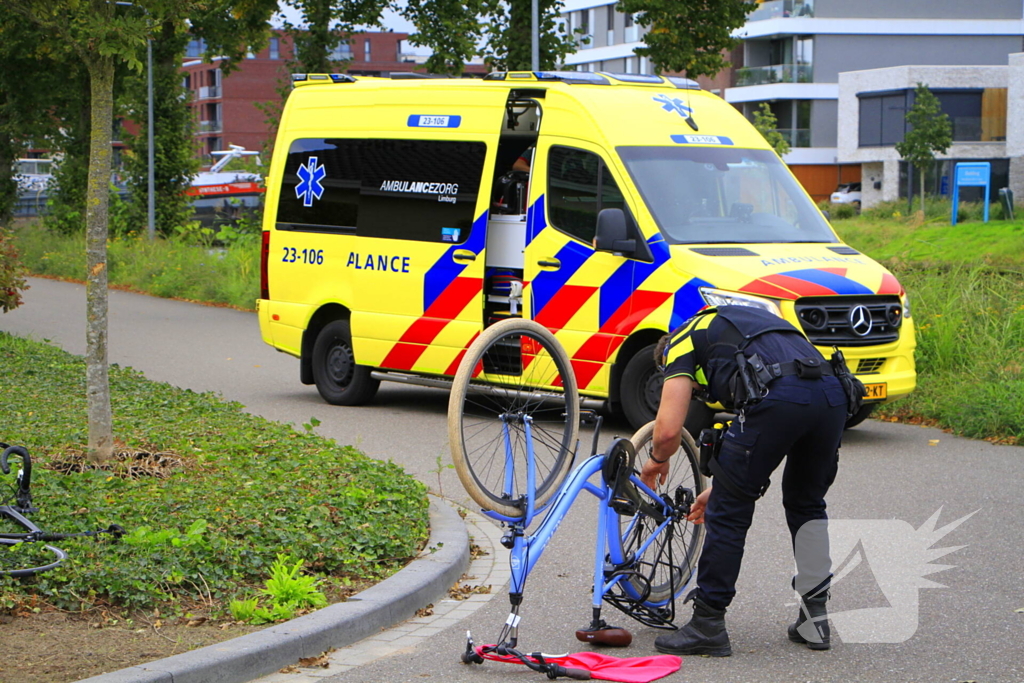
(579, 186)
(401, 189)
(320, 188)
(420, 189)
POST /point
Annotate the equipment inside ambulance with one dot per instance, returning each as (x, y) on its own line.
(396, 231)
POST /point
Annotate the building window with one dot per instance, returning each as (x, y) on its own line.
(249, 54)
(366, 50)
(275, 48)
(342, 52)
(631, 32)
(628, 19)
(610, 39)
(195, 49)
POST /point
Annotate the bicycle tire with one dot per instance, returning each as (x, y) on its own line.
(58, 554)
(516, 367)
(687, 537)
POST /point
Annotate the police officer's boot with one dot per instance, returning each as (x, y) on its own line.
(811, 626)
(705, 634)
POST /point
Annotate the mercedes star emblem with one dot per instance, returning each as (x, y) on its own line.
(860, 320)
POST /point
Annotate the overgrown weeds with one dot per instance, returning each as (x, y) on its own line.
(188, 266)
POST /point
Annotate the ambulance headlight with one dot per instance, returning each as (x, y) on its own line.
(720, 297)
(906, 305)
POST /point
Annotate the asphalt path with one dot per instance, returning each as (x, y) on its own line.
(968, 630)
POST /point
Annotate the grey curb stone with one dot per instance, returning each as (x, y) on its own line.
(254, 655)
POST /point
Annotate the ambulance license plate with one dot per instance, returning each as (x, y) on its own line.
(875, 392)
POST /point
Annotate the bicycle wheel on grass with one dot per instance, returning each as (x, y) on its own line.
(22, 558)
(669, 562)
(514, 369)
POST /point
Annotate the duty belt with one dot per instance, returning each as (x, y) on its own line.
(801, 367)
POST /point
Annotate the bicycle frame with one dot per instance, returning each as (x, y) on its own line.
(526, 550)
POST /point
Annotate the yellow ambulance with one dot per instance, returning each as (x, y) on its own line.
(396, 230)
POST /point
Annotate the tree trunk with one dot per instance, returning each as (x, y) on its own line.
(101, 86)
(922, 189)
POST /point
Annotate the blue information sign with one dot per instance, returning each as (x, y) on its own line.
(971, 174)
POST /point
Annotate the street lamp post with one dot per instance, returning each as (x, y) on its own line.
(151, 165)
(534, 36)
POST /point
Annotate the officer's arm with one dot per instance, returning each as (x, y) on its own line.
(668, 429)
(668, 425)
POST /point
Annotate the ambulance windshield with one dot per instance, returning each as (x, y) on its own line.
(715, 195)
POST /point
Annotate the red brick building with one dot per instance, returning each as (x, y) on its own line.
(225, 106)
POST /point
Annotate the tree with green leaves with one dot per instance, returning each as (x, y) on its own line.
(688, 35)
(930, 131)
(767, 125)
(100, 34)
(29, 86)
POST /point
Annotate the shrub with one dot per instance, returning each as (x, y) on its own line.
(12, 273)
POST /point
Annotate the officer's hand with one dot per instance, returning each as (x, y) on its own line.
(654, 474)
(697, 509)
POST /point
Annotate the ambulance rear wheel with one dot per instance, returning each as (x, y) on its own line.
(338, 379)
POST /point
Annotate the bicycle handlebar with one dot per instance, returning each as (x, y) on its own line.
(23, 494)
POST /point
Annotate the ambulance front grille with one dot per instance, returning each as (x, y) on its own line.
(850, 320)
(869, 365)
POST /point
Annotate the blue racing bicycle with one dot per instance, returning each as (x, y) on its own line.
(513, 424)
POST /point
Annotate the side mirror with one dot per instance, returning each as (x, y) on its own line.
(613, 233)
(827, 214)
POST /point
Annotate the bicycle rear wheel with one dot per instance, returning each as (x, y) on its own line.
(661, 571)
(515, 369)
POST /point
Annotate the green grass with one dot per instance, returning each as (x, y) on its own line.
(249, 489)
(182, 268)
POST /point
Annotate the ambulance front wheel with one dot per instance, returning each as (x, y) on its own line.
(640, 394)
(338, 379)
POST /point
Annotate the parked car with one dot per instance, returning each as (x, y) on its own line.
(847, 193)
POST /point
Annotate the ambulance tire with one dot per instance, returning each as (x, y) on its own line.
(640, 388)
(640, 395)
(338, 379)
(862, 414)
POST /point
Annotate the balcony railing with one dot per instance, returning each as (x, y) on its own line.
(209, 92)
(776, 73)
(796, 137)
(782, 8)
(210, 126)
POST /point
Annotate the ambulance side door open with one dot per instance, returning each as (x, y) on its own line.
(581, 293)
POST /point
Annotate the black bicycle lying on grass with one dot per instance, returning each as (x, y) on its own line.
(13, 554)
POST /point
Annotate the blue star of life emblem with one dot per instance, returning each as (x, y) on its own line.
(309, 187)
(673, 104)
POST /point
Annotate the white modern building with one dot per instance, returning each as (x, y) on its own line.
(794, 50)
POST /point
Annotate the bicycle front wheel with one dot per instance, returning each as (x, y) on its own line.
(663, 566)
(22, 558)
(515, 370)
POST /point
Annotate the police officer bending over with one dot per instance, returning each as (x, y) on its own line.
(788, 402)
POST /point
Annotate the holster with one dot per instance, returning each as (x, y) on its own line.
(853, 387)
(710, 445)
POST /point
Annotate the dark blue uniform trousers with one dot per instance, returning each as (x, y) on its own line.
(799, 418)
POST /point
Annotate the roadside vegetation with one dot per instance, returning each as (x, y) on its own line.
(966, 288)
(209, 495)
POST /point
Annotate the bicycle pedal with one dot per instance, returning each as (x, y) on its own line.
(611, 636)
(624, 506)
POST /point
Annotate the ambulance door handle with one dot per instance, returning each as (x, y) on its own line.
(463, 255)
(550, 264)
